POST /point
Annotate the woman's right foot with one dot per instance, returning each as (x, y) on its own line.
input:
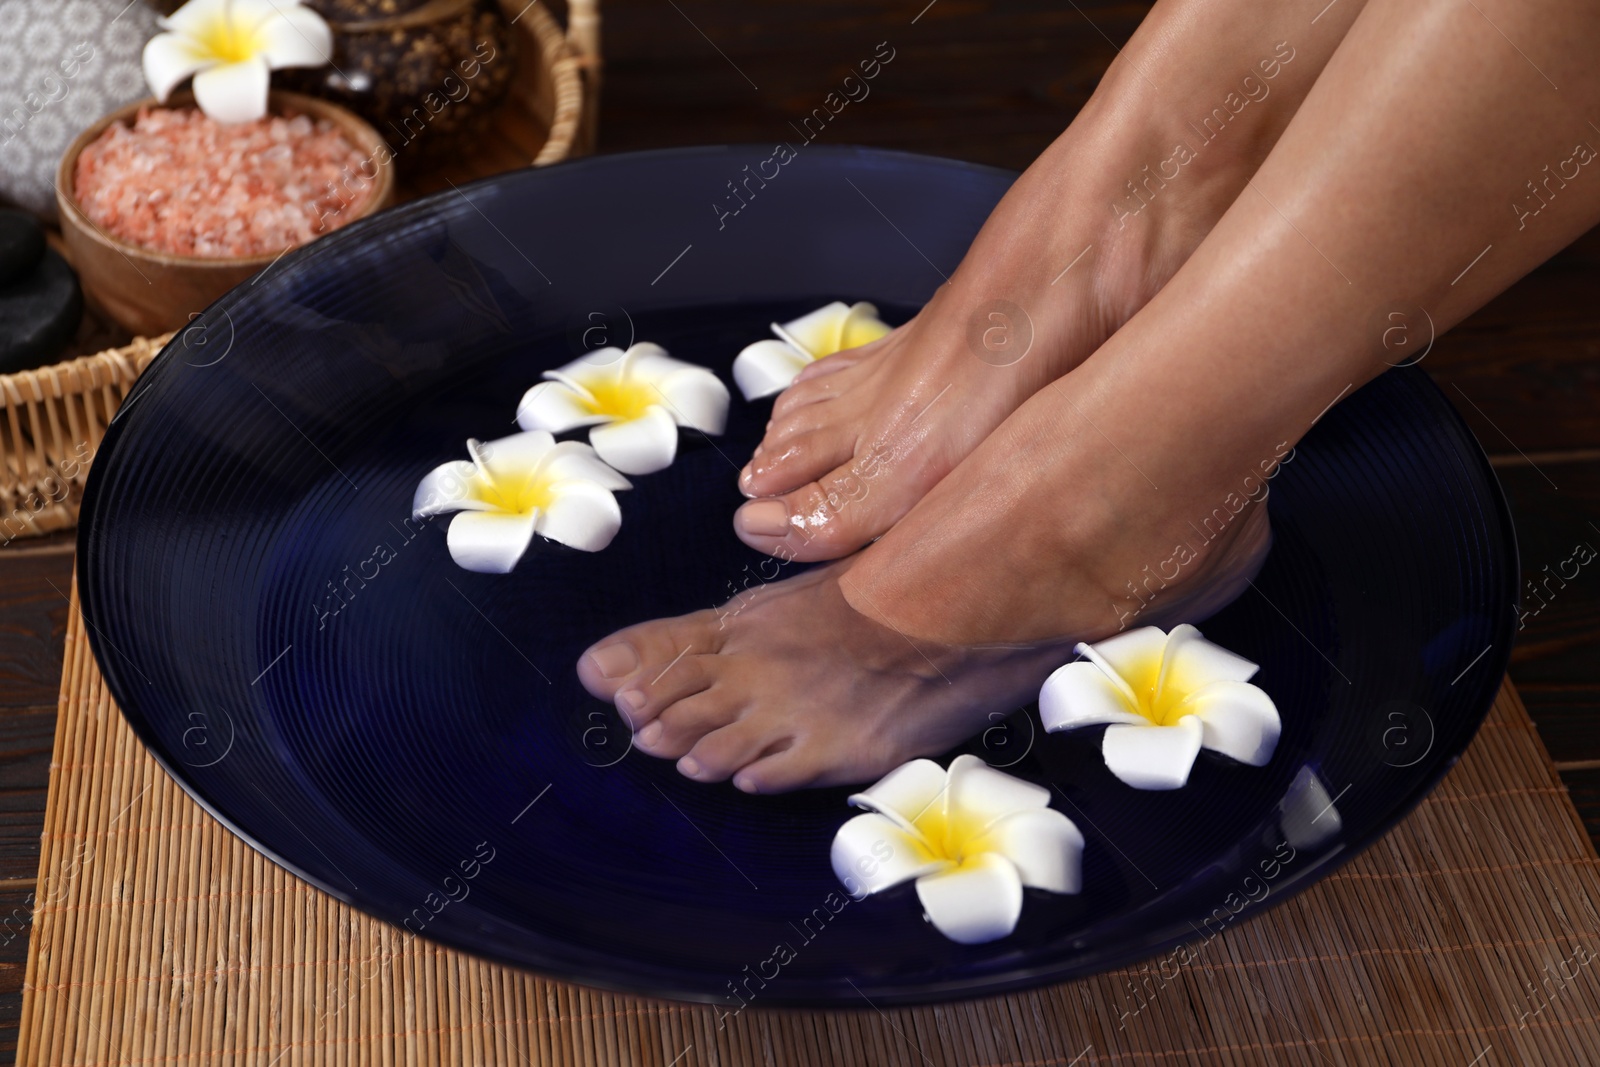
(862, 436)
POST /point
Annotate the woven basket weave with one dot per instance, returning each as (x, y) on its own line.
(573, 60)
(53, 419)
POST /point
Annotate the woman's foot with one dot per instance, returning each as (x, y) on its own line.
(1083, 240)
(801, 686)
(798, 689)
(860, 437)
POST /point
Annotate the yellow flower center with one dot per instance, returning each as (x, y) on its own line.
(227, 40)
(1161, 700)
(957, 838)
(621, 398)
(1164, 708)
(516, 494)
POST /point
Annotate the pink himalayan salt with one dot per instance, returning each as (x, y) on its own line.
(181, 182)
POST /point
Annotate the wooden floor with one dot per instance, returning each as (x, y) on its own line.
(991, 82)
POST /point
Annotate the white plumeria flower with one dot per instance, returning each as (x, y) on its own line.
(635, 400)
(1165, 696)
(971, 837)
(516, 487)
(231, 47)
(769, 367)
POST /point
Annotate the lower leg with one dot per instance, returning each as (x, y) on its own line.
(1088, 234)
(1433, 164)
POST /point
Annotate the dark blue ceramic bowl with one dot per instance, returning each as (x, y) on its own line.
(412, 738)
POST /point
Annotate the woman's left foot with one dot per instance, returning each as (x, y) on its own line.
(795, 684)
(790, 687)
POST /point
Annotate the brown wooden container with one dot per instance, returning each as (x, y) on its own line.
(150, 291)
(52, 419)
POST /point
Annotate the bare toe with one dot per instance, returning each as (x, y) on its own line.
(832, 365)
(642, 700)
(791, 462)
(720, 753)
(633, 665)
(808, 419)
(779, 772)
(681, 725)
(825, 519)
(608, 665)
(807, 391)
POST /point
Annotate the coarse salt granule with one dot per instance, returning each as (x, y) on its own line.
(178, 181)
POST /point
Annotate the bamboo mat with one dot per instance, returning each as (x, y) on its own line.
(1462, 939)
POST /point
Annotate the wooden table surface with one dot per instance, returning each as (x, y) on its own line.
(994, 83)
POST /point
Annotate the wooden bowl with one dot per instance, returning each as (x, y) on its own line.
(149, 291)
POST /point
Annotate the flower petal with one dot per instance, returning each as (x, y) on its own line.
(516, 455)
(647, 361)
(582, 515)
(905, 792)
(861, 326)
(695, 398)
(1238, 720)
(1153, 757)
(448, 487)
(767, 367)
(638, 446)
(169, 58)
(978, 792)
(490, 542)
(1136, 655)
(295, 36)
(817, 332)
(1044, 845)
(248, 15)
(872, 853)
(575, 459)
(1079, 694)
(1193, 662)
(1308, 815)
(195, 18)
(596, 365)
(978, 902)
(555, 407)
(233, 92)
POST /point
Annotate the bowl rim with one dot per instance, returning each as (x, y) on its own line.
(362, 134)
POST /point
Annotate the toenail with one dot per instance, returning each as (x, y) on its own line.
(744, 784)
(614, 660)
(650, 734)
(688, 768)
(630, 699)
(746, 476)
(764, 518)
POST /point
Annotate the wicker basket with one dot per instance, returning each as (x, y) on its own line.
(55, 417)
(563, 105)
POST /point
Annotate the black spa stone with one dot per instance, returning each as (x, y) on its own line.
(21, 245)
(39, 314)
